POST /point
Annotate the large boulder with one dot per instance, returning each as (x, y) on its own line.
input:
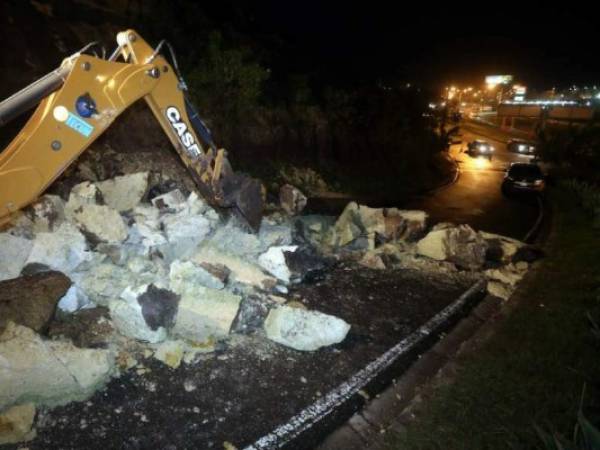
(291, 199)
(124, 192)
(460, 245)
(31, 300)
(304, 330)
(14, 251)
(16, 424)
(48, 372)
(62, 250)
(144, 313)
(205, 313)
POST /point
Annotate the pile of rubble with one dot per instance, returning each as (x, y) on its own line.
(391, 238)
(95, 283)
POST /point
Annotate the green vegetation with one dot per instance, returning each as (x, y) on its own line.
(365, 136)
(575, 150)
(532, 370)
(588, 196)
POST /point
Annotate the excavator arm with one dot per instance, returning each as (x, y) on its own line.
(79, 101)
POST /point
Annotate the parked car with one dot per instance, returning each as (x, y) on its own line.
(521, 147)
(525, 178)
(479, 147)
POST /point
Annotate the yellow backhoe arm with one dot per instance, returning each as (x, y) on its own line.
(83, 97)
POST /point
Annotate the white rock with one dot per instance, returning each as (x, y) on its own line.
(105, 223)
(184, 232)
(62, 250)
(150, 236)
(186, 274)
(104, 283)
(14, 252)
(16, 424)
(196, 205)
(170, 353)
(146, 213)
(460, 245)
(48, 372)
(171, 200)
(124, 192)
(231, 238)
(273, 261)
(508, 274)
(205, 313)
(129, 320)
(304, 330)
(433, 245)
(74, 300)
(242, 271)
(499, 289)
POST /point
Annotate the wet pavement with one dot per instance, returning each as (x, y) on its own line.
(476, 197)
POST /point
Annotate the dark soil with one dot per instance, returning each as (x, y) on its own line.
(250, 385)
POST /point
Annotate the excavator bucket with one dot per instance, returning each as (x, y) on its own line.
(246, 196)
(79, 100)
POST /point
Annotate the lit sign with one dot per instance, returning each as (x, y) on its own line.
(498, 79)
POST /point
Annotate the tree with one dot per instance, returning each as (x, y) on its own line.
(227, 84)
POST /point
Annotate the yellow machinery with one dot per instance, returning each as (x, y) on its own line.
(79, 100)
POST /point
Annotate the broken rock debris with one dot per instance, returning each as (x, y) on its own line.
(48, 372)
(304, 330)
(168, 279)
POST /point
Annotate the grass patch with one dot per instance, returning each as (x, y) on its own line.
(533, 369)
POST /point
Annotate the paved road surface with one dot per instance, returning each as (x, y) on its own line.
(476, 198)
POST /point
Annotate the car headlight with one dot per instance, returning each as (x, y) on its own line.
(492, 148)
(522, 148)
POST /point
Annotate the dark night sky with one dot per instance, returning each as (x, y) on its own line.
(540, 44)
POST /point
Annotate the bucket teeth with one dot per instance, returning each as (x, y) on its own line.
(244, 195)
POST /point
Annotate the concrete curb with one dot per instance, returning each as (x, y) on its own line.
(391, 409)
(534, 230)
(394, 409)
(285, 434)
(448, 183)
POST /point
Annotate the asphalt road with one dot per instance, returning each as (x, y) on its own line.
(476, 197)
